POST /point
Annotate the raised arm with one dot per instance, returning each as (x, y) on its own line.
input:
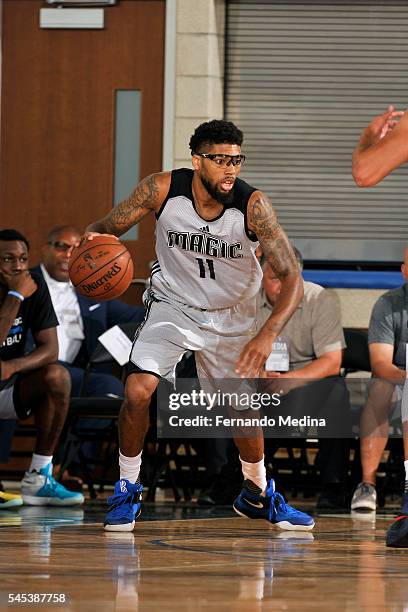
(382, 148)
(262, 220)
(147, 196)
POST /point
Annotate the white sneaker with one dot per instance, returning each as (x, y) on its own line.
(41, 489)
(364, 498)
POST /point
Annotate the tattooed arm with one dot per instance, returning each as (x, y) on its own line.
(147, 196)
(279, 254)
(262, 220)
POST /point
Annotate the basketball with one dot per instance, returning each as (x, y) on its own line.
(101, 268)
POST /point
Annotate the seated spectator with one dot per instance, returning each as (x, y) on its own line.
(387, 341)
(33, 382)
(315, 341)
(81, 320)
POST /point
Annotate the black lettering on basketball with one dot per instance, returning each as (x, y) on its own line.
(99, 291)
(89, 287)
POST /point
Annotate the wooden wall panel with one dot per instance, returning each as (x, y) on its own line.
(57, 137)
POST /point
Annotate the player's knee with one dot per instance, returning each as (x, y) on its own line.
(57, 380)
(137, 393)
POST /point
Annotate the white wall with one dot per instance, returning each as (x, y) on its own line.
(198, 72)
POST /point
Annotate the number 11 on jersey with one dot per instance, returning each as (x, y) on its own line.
(210, 266)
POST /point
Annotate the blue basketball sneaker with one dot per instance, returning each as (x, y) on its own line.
(39, 488)
(272, 507)
(124, 506)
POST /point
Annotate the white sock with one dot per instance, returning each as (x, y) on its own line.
(130, 467)
(39, 461)
(255, 472)
(406, 469)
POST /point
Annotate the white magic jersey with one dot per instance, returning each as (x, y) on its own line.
(205, 264)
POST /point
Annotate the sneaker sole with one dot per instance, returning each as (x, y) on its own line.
(32, 500)
(11, 503)
(364, 507)
(284, 525)
(289, 527)
(123, 527)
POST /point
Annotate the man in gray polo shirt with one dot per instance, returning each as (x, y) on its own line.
(315, 340)
(387, 339)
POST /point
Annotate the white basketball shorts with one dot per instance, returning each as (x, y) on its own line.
(170, 329)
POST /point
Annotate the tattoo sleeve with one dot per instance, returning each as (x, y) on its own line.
(144, 198)
(275, 245)
(280, 256)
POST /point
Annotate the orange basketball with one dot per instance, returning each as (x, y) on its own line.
(101, 268)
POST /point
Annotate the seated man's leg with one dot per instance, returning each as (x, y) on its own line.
(99, 384)
(373, 440)
(374, 427)
(45, 392)
(93, 384)
(76, 376)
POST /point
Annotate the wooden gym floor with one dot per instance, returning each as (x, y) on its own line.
(183, 558)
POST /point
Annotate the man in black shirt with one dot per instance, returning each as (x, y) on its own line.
(33, 382)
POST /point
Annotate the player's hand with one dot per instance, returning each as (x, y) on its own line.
(91, 235)
(254, 355)
(383, 124)
(392, 121)
(22, 283)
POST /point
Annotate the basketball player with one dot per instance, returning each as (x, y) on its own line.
(382, 148)
(203, 298)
